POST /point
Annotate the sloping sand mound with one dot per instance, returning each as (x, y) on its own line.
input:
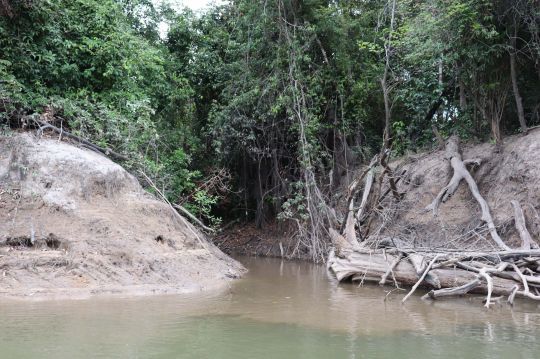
(73, 223)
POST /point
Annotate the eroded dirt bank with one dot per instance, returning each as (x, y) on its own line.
(464, 219)
(475, 232)
(74, 224)
(512, 174)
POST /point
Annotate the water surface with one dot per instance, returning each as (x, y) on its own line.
(279, 310)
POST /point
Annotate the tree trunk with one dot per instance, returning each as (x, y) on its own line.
(515, 88)
(496, 132)
(526, 240)
(462, 96)
(384, 80)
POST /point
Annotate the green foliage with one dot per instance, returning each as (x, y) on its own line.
(101, 66)
(268, 90)
(295, 206)
(182, 179)
(202, 204)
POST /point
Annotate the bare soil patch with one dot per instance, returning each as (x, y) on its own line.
(74, 223)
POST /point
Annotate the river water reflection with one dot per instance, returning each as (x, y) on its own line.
(279, 310)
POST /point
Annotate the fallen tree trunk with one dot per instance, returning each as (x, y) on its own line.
(193, 218)
(455, 291)
(362, 265)
(176, 214)
(494, 273)
(422, 277)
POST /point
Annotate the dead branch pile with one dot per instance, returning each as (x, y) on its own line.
(387, 254)
(504, 273)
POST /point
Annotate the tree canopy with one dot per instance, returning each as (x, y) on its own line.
(260, 109)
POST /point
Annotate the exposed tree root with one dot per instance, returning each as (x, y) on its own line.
(461, 173)
(365, 194)
(388, 171)
(526, 239)
(348, 230)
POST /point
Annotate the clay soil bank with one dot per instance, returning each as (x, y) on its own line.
(510, 173)
(74, 224)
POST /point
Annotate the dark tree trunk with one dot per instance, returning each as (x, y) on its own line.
(515, 87)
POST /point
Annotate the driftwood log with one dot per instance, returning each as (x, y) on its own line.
(508, 273)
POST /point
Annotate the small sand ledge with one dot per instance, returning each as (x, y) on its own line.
(108, 291)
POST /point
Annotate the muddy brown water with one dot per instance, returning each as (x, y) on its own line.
(279, 310)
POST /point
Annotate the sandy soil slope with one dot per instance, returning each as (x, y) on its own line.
(73, 224)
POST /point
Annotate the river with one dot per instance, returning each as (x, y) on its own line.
(279, 310)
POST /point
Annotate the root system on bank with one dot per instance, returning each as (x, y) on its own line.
(474, 234)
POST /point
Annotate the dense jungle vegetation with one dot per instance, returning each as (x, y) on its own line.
(258, 110)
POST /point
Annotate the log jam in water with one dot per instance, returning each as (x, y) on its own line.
(279, 310)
